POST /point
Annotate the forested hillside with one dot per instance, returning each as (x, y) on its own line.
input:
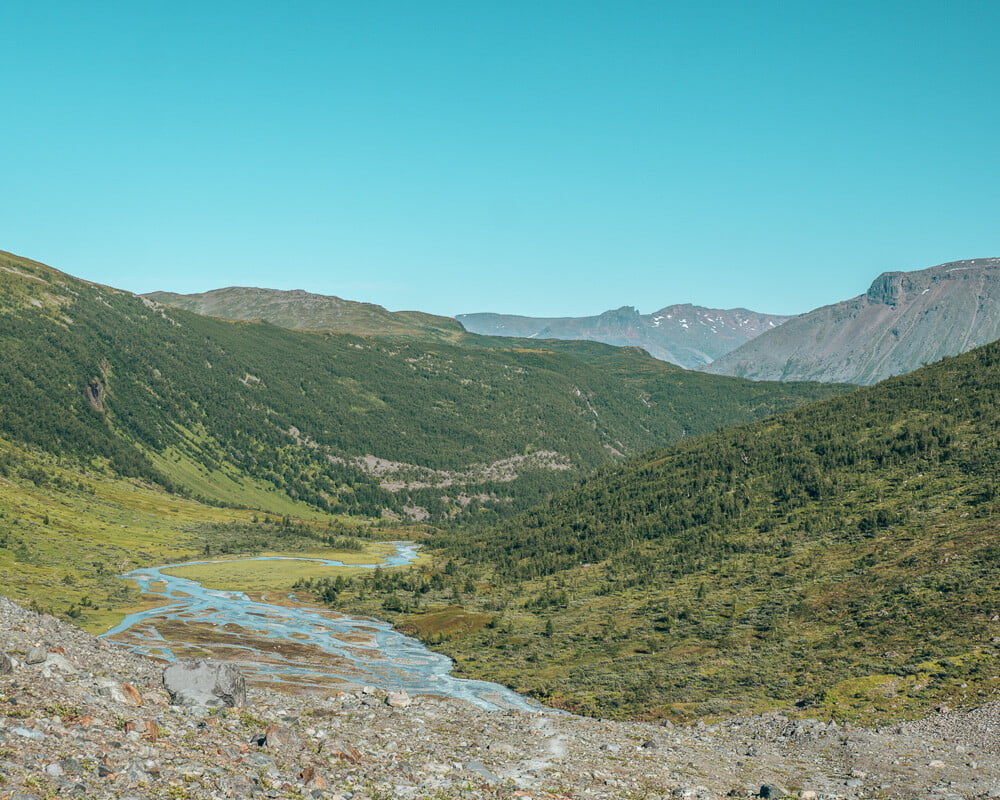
(841, 557)
(249, 414)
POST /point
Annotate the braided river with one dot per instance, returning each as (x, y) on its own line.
(280, 642)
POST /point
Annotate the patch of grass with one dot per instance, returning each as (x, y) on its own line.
(225, 484)
(452, 622)
(243, 575)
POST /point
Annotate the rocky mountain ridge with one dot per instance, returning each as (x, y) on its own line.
(683, 334)
(904, 320)
(86, 718)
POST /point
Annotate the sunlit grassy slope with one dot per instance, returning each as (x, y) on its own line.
(240, 574)
(66, 534)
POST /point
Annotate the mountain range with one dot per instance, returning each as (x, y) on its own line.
(685, 334)
(904, 320)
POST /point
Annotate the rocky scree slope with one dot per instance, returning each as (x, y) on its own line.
(81, 717)
(684, 334)
(904, 320)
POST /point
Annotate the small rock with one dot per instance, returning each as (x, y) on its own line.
(937, 764)
(59, 662)
(155, 699)
(36, 655)
(769, 791)
(278, 737)
(108, 687)
(132, 694)
(71, 765)
(203, 682)
(480, 769)
(28, 733)
(6, 664)
(398, 699)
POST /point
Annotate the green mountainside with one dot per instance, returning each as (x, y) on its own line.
(841, 558)
(249, 414)
(301, 310)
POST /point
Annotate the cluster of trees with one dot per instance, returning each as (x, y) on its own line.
(266, 533)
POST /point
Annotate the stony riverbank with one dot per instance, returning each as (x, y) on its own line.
(82, 717)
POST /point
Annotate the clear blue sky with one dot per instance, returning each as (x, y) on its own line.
(546, 158)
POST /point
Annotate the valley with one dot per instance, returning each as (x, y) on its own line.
(600, 532)
(839, 558)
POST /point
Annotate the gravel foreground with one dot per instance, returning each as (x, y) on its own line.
(84, 718)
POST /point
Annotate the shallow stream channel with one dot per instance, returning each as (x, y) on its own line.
(295, 646)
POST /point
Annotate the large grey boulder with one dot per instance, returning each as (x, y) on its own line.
(203, 682)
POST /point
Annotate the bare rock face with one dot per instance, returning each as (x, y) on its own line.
(889, 288)
(203, 682)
